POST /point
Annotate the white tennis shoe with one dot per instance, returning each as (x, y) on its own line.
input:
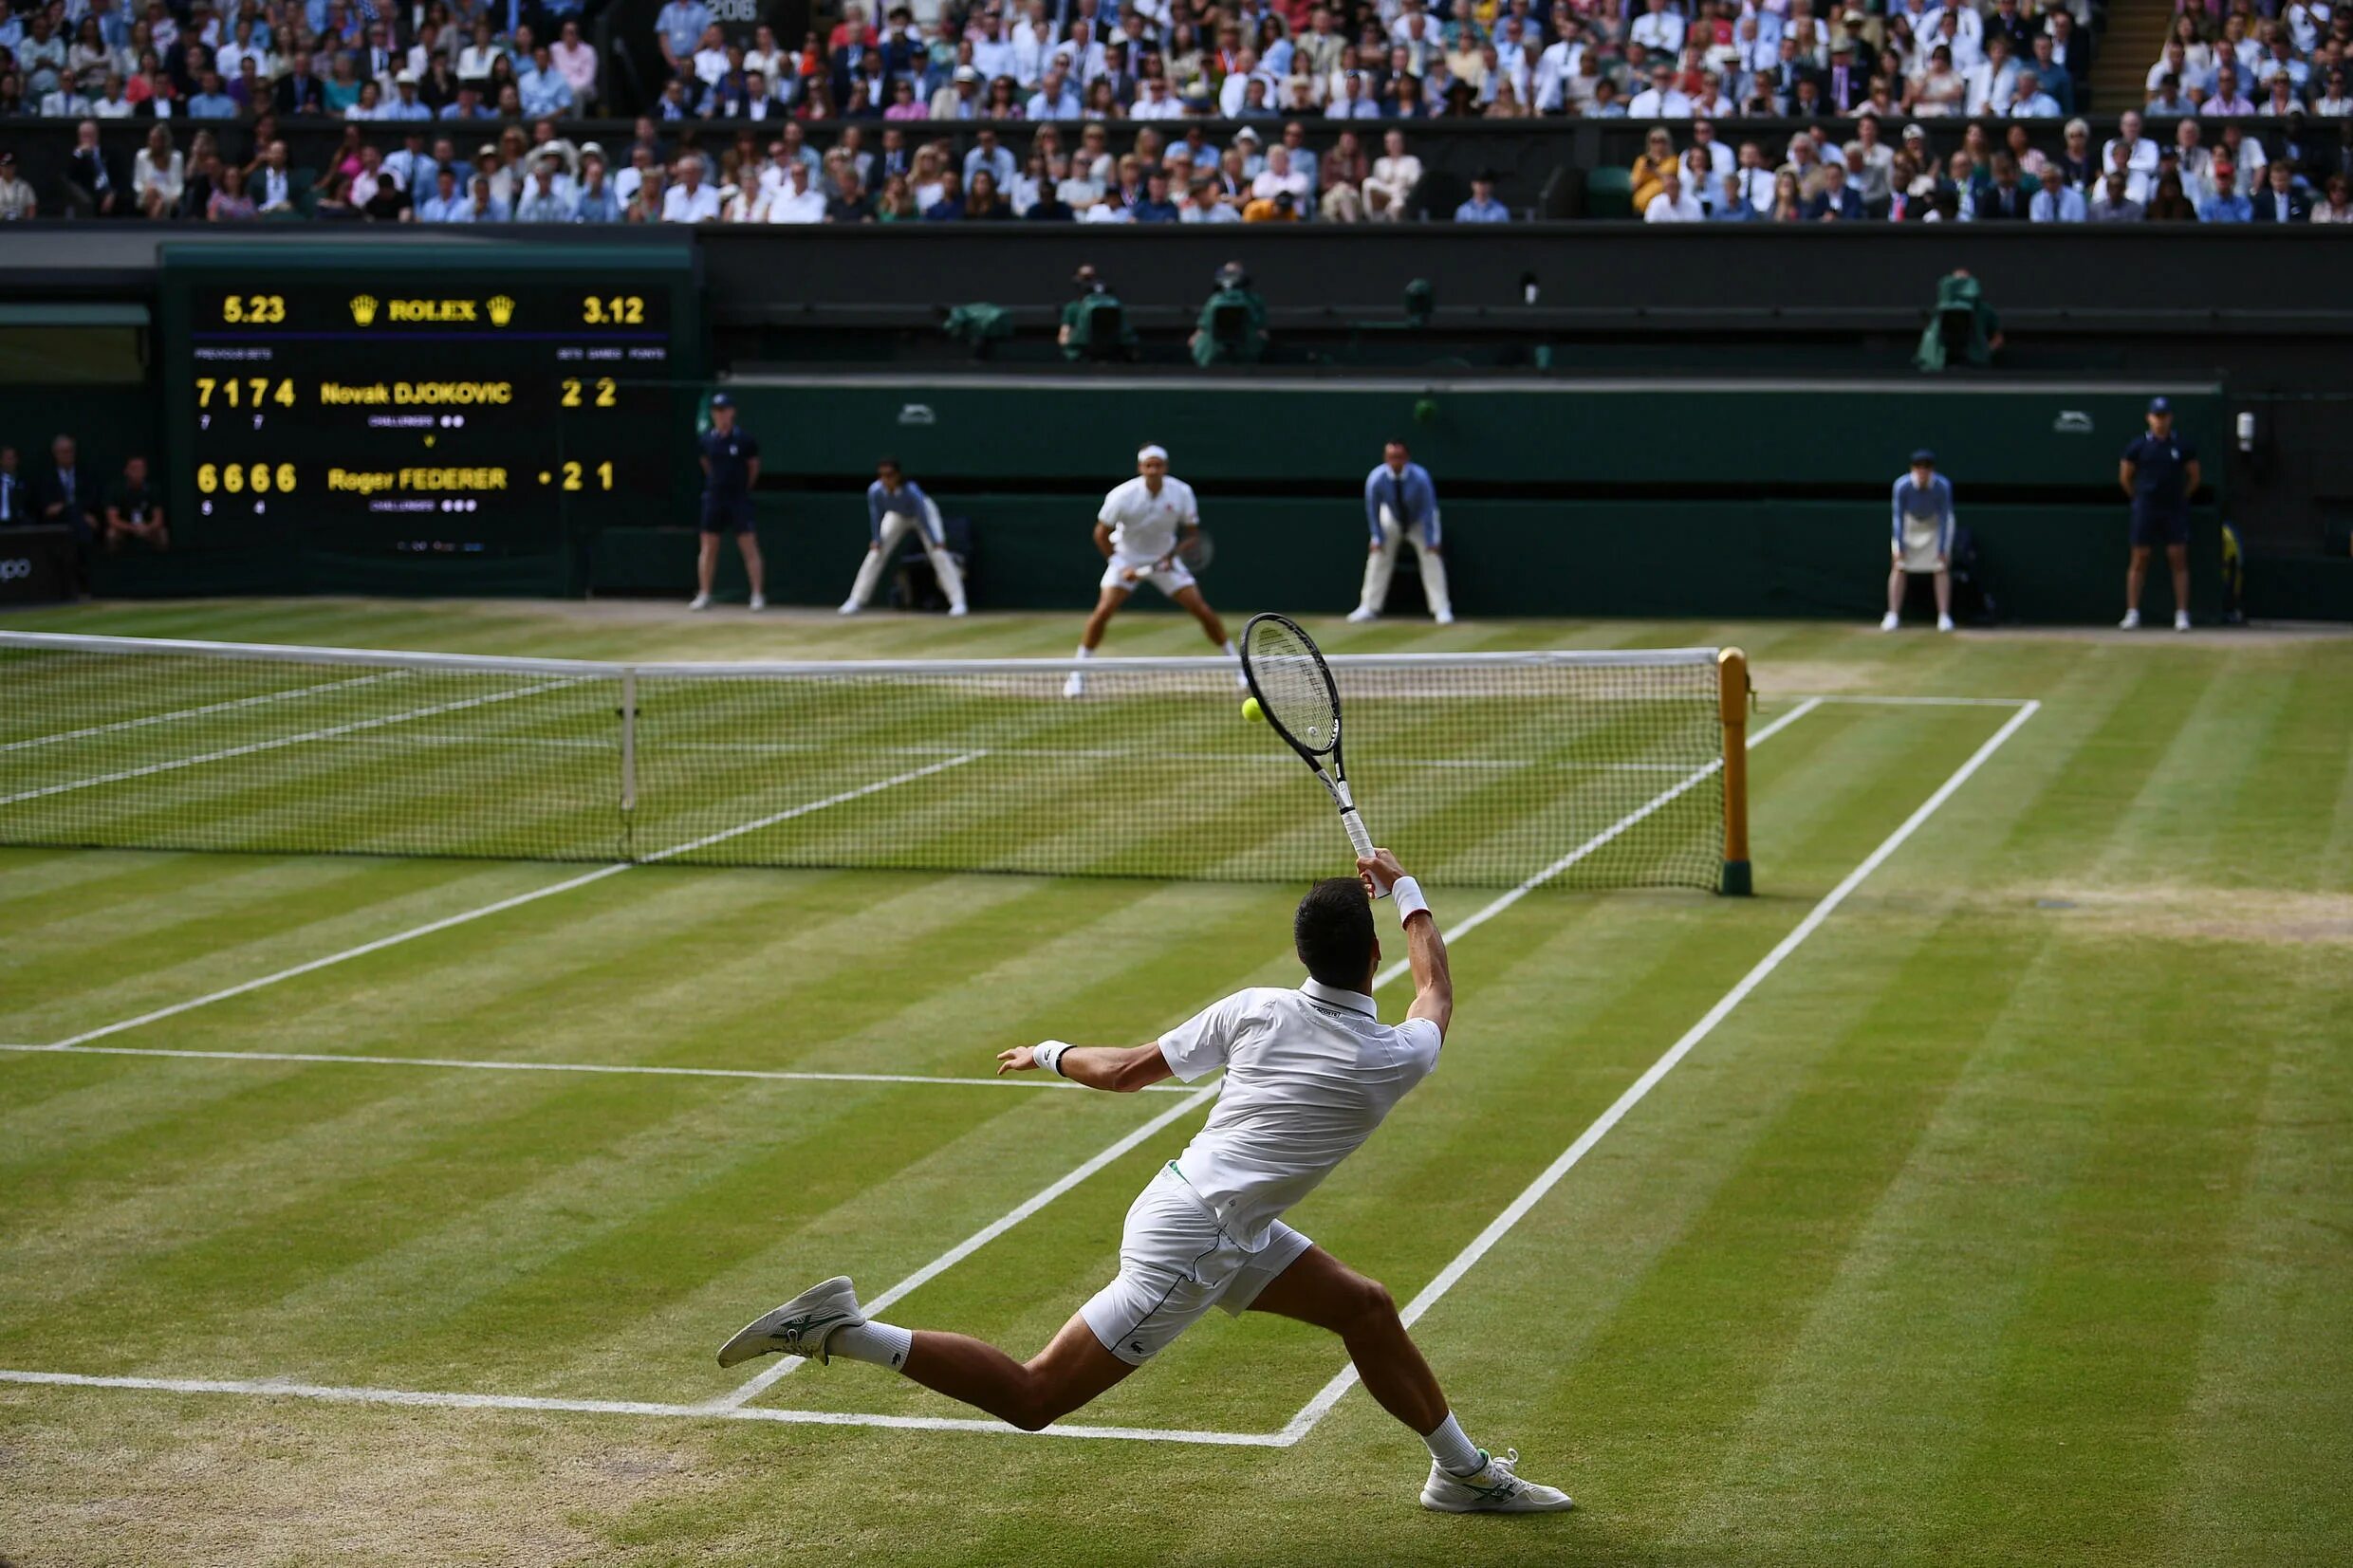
(1944, 624)
(1445, 618)
(1075, 685)
(1361, 615)
(849, 607)
(1889, 621)
(700, 602)
(959, 610)
(2131, 622)
(759, 602)
(1494, 1488)
(2181, 620)
(801, 1326)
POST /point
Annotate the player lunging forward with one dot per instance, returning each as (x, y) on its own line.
(1308, 1075)
(894, 504)
(1140, 525)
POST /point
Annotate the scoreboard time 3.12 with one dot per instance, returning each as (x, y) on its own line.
(428, 403)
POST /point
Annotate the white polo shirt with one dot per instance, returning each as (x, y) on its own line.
(1309, 1074)
(1144, 525)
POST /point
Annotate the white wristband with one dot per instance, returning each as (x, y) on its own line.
(1407, 893)
(1049, 1054)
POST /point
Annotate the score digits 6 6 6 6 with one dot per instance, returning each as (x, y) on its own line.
(237, 478)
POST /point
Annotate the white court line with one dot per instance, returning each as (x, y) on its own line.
(623, 1069)
(1317, 1408)
(965, 1249)
(193, 712)
(329, 733)
(551, 890)
(338, 1396)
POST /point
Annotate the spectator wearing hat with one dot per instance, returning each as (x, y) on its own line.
(1483, 207)
(1920, 539)
(2224, 204)
(597, 201)
(543, 200)
(960, 98)
(405, 102)
(2159, 472)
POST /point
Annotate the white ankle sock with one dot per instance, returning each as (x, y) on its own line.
(1449, 1446)
(1084, 651)
(878, 1343)
(1230, 649)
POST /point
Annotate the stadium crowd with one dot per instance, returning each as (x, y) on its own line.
(1035, 89)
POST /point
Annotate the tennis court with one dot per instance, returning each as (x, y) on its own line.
(1966, 1194)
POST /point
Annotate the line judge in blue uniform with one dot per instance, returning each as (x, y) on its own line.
(1920, 539)
(730, 460)
(1401, 502)
(894, 504)
(2160, 472)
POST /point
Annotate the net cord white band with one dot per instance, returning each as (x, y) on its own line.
(68, 642)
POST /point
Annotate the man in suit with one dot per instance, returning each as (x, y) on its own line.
(2005, 199)
(298, 91)
(1836, 201)
(16, 507)
(1846, 84)
(66, 494)
(2280, 201)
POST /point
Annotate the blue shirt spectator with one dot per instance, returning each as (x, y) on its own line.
(2225, 207)
(681, 25)
(447, 204)
(1483, 207)
(543, 89)
(2056, 202)
(211, 103)
(992, 156)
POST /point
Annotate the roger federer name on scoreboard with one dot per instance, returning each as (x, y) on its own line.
(466, 393)
(377, 481)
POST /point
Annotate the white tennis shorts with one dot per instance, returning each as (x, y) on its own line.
(1168, 580)
(1920, 545)
(1175, 1263)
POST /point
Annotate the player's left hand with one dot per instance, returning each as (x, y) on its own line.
(1021, 1059)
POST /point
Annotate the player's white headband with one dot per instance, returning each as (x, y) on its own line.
(1150, 453)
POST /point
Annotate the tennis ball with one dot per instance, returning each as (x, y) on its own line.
(1252, 712)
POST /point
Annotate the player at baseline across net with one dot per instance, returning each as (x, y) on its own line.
(894, 504)
(1309, 1074)
(1139, 530)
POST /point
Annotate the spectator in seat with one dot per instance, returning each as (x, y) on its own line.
(16, 197)
(91, 191)
(135, 514)
(1651, 165)
(542, 200)
(1835, 201)
(950, 206)
(983, 201)
(2056, 202)
(67, 494)
(2227, 101)
(2114, 204)
(2007, 200)
(157, 173)
(597, 201)
(796, 197)
(576, 60)
(2336, 203)
(2225, 205)
(1395, 174)
(2170, 205)
(1482, 207)
(16, 503)
(1673, 204)
(689, 200)
(229, 203)
(2280, 201)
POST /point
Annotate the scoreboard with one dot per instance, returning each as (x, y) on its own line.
(424, 404)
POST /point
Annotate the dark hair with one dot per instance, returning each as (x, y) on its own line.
(1333, 931)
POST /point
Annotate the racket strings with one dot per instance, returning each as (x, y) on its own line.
(1292, 687)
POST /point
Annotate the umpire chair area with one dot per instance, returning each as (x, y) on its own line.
(913, 583)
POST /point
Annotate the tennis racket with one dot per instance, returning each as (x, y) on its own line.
(1295, 691)
(1194, 551)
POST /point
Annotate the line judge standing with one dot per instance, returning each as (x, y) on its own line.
(730, 460)
(894, 504)
(1402, 503)
(2159, 472)
(1920, 539)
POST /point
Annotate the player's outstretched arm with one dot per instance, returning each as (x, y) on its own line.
(1119, 1070)
(1425, 950)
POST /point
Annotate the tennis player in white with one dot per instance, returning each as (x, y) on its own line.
(1308, 1075)
(894, 504)
(1139, 530)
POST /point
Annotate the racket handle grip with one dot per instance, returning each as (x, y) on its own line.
(1357, 835)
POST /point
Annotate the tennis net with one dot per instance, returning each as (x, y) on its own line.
(1482, 769)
